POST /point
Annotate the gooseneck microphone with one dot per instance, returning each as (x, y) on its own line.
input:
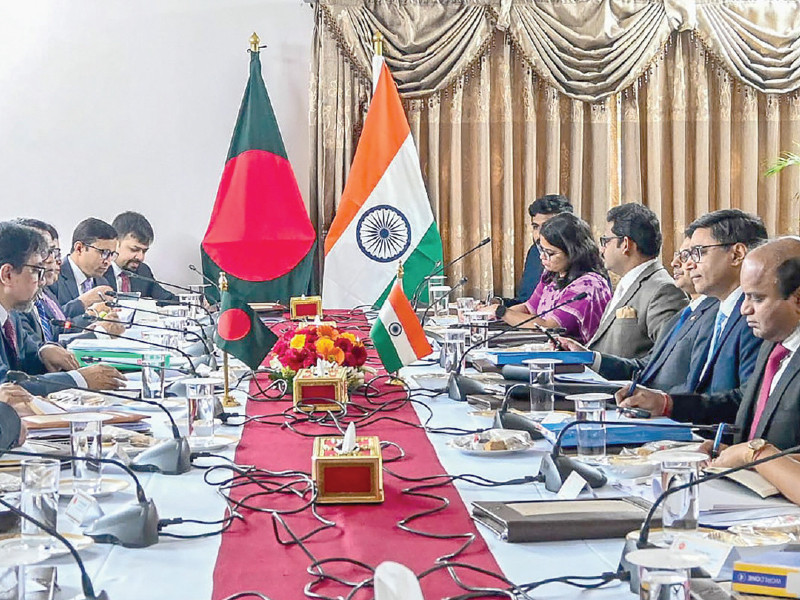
(70, 325)
(132, 527)
(204, 276)
(460, 284)
(443, 268)
(459, 386)
(644, 533)
(170, 457)
(136, 275)
(86, 582)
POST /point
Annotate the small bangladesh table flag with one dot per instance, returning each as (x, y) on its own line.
(240, 332)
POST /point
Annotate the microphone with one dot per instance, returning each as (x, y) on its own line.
(460, 284)
(170, 457)
(136, 275)
(86, 582)
(70, 325)
(443, 268)
(204, 276)
(179, 303)
(196, 335)
(459, 386)
(556, 467)
(135, 526)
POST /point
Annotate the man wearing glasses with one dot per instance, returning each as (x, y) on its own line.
(723, 360)
(81, 284)
(646, 297)
(23, 252)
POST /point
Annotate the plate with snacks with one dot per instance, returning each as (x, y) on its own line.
(493, 442)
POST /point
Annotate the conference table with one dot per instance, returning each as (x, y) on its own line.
(255, 554)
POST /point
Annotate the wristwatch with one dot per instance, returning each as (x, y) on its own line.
(756, 446)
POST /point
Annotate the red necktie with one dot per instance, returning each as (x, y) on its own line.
(124, 282)
(779, 352)
(11, 338)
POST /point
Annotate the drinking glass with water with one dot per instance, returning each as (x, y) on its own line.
(200, 404)
(39, 499)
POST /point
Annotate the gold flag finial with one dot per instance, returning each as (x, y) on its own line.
(377, 43)
(223, 282)
(400, 269)
(254, 42)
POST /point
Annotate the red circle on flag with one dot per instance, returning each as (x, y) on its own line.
(234, 324)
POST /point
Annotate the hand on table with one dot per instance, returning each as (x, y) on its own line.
(571, 345)
(95, 295)
(102, 377)
(57, 358)
(17, 398)
(733, 456)
(112, 324)
(642, 397)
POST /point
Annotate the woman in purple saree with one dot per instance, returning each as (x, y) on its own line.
(572, 265)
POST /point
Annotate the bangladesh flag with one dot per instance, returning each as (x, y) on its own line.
(241, 333)
(259, 233)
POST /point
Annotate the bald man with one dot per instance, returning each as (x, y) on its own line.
(770, 405)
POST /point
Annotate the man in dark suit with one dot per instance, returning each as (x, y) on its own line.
(540, 210)
(23, 252)
(646, 297)
(666, 365)
(81, 283)
(135, 238)
(722, 362)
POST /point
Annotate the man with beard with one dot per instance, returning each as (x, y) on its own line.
(135, 236)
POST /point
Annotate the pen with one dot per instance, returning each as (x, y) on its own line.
(634, 383)
(721, 429)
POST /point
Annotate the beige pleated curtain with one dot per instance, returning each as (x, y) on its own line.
(677, 104)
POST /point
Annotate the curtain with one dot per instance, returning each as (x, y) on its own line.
(675, 104)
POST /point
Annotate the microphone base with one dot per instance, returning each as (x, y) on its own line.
(700, 580)
(556, 470)
(171, 457)
(458, 386)
(516, 422)
(135, 526)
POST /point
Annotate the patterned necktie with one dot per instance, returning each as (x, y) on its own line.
(87, 285)
(44, 320)
(779, 352)
(124, 282)
(718, 325)
(10, 334)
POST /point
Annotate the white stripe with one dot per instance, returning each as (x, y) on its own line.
(351, 277)
(401, 343)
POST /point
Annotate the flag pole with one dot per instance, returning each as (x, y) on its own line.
(396, 379)
(254, 42)
(227, 400)
(377, 43)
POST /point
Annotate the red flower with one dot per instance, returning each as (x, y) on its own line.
(295, 359)
(343, 343)
(359, 354)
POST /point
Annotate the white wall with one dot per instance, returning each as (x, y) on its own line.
(112, 105)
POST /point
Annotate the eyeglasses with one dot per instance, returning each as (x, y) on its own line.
(548, 253)
(604, 239)
(40, 271)
(104, 254)
(54, 253)
(696, 253)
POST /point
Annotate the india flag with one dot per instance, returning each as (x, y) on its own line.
(397, 334)
(384, 215)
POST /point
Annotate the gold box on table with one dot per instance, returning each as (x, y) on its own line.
(305, 307)
(352, 477)
(317, 392)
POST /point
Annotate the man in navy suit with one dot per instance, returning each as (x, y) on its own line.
(81, 283)
(23, 252)
(722, 362)
(135, 236)
(666, 365)
(540, 210)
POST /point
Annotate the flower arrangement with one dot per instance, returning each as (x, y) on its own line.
(302, 347)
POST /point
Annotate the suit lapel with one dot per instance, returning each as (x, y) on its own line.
(664, 351)
(791, 371)
(609, 318)
(730, 325)
(750, 397)
(67, 278)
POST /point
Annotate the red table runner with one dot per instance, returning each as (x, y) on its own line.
(250, 558)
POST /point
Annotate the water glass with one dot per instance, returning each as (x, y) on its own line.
(663, 573)
(435, 281)
(541, 373)
(193, 302)
(179, 324)
(591, 436)
(200, 403)
(439, 295)
(451, 354)
(465, 305)
(680, 511)
(478, 329)
(39, 498)
(86, 438)
(154, 363)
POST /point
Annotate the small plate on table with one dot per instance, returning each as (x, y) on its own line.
(14, 543)
(493, 442)
(108, 486)
(218, 442)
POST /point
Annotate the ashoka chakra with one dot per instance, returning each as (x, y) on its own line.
(383, 233)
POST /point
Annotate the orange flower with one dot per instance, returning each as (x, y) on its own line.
(298, 342)
(329, 352)
(351, 337)
(327, 331)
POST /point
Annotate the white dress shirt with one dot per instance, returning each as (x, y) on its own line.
(80, 276)
(624, 285)
(791, 343)
(726, 308)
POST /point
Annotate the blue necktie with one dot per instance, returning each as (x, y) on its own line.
(718, 324)
(44, 320)
(676, 329)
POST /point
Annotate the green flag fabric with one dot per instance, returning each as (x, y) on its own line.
(241, 333)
